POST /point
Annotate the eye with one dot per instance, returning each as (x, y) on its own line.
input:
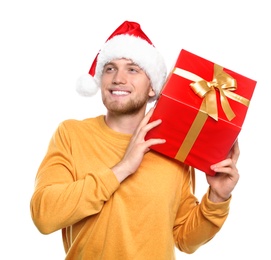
(134, 69)
(109, 68)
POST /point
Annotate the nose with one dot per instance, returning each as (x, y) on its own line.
(119, 77)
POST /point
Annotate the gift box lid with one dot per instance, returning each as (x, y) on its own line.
(188, 62)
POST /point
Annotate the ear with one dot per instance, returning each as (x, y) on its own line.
(151, 92)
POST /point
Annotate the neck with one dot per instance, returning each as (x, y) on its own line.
(125, 123)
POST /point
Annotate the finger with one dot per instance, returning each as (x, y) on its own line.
(141, 132)
(222, 171)
(154, 141)
(147, 116)
(222, 164)
(227, 166)
(151, 142)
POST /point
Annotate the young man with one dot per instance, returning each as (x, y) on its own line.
(113, 197)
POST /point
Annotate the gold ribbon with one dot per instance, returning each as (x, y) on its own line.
(191, 135)
(221, 81)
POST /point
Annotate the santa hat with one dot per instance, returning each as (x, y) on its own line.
(130, 42)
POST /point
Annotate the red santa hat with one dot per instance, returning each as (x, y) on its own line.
(130, 42)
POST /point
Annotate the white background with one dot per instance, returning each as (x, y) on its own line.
(47, 45)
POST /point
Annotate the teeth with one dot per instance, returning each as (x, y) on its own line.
(119, 92)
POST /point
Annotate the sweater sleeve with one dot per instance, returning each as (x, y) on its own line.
(60, 198)
(197, 223)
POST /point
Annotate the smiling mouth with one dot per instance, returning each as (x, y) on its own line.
(120, 92)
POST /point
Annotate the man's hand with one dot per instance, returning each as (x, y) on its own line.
(226, 178)
(137, 148)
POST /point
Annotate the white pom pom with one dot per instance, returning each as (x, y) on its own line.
(86, 86)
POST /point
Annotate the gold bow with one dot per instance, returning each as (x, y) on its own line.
(221, 81)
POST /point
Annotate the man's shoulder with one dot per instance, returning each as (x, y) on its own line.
(80, 123)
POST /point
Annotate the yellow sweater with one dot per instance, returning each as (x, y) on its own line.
(141, 218)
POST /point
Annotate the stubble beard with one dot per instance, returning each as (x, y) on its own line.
(129, 108)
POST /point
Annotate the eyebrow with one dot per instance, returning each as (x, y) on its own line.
(129, 64)
(133, 64)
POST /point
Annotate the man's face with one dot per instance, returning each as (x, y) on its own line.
(125, 87)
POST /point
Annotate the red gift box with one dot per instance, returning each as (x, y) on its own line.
(203, 107)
